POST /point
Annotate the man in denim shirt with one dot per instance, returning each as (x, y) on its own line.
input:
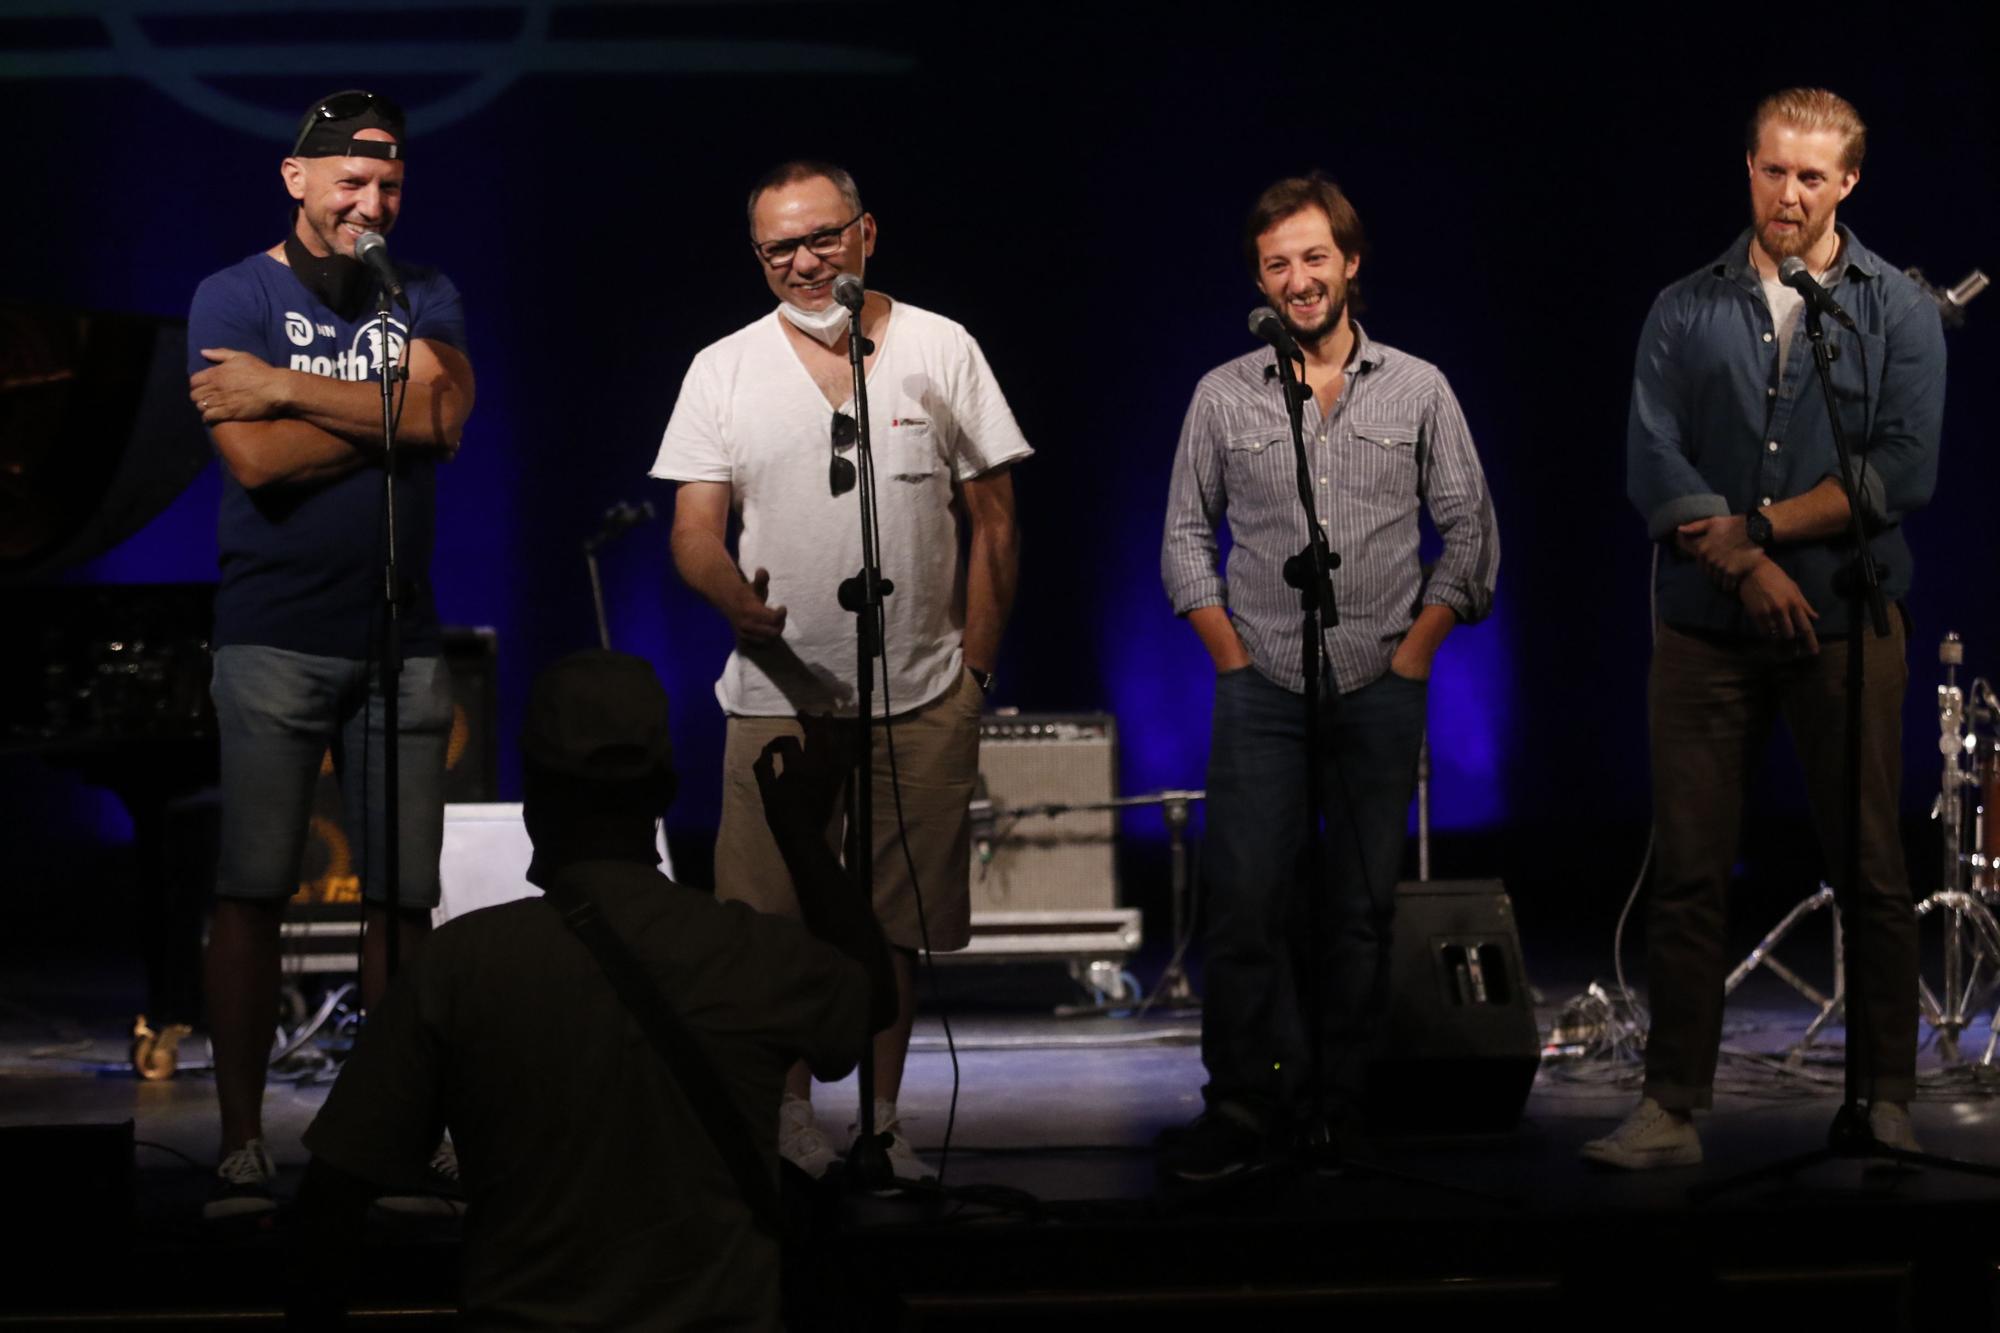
(1731, 462)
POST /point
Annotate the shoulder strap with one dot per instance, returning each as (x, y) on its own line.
(692, 1071)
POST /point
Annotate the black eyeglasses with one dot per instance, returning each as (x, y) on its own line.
(840, 471)
(825, 242)
(347, 106)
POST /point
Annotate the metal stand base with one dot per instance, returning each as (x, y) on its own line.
(1830, 1006)
(1971, 972)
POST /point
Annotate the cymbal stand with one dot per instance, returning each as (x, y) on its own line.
(1971, 936)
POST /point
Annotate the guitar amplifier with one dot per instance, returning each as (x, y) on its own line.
(1044, 874)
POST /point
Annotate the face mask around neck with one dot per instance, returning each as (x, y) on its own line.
(826, 325)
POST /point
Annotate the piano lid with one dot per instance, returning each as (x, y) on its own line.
(97, 435)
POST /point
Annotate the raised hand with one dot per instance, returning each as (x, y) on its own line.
(757, 623)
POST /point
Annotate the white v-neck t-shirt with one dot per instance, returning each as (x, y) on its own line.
(750, 415)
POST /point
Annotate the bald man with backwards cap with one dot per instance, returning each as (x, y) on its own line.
(286, 354)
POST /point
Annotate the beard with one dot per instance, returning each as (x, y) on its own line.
(1783, 245)
(1336, 306)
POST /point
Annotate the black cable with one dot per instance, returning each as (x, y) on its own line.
(917, 893)
(172, 1151)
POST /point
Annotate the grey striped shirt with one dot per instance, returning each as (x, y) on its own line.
(1394, 441)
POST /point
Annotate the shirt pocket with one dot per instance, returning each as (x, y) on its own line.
(907, 451)
(1251, 457)
(1386, 451)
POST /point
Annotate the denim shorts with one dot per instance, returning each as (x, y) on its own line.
(278, 715)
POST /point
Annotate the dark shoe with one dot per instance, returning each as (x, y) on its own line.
(1326, 1147)
(1217, 1146)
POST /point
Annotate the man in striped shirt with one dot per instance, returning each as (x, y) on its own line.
(1384, 436)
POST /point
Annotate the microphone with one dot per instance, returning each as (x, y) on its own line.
(1951, 303)
(372, 250)
(1265, 324)
(848, 291)
(618, 518)
(1792, 272)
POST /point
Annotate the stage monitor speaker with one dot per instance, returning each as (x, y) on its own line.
(70, 1186)
(1459, 1048)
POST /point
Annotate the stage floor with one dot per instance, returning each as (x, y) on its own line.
(1059, 1219)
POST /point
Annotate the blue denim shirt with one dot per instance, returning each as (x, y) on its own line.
(1714, 430)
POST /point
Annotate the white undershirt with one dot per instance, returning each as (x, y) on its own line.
(1787, 305)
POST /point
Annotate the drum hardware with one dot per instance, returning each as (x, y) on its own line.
(1969, 828)
(1966, 900)
(1763, 955)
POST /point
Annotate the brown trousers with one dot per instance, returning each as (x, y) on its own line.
(1713, 705)
(937, 762)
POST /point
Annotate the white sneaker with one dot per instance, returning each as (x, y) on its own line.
(1652, 1136)
(443, 1198)
(904, 1163)
(800, 1139)
(242, 1184)
(1890, 1124)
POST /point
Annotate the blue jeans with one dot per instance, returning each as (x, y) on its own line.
(1263, 965)
(277, 714)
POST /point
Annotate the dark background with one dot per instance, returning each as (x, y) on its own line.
(1069, 182)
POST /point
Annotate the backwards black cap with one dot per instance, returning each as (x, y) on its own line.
(330, 125)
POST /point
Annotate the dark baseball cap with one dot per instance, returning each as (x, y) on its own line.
(600, 716)
(330, 124)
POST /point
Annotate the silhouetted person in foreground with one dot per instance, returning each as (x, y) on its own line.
(596, 1195)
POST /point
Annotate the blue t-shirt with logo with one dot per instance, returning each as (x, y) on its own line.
(301, 563)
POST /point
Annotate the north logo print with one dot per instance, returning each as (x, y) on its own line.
(298, 328)
(363, 358)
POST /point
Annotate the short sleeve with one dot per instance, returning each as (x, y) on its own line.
(694, 447)
(442, 316)
(985, 435)
(227, 311)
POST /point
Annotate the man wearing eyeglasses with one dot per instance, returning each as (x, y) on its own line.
(286, 352)
(764, 428)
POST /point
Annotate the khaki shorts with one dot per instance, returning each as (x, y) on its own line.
(937, 760)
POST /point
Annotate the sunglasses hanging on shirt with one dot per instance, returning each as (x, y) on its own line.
(839, 470)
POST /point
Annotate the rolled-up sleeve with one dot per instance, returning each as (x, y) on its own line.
(1195, 504)
(1899, 464)
(1461, 507)
(1660, 479)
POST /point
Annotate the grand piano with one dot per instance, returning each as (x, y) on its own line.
(108, 680)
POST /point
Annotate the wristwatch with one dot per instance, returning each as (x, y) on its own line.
(983, 679)
(1757, 528)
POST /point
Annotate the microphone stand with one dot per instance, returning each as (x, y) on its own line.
(862, 594)
(1311, 572)
(1850, 1135)
(617, 520)
(392, 654)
